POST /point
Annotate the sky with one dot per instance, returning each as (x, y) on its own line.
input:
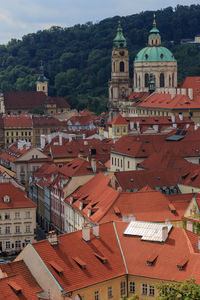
(20, 17)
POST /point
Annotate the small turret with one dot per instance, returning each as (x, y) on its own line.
(42, 82)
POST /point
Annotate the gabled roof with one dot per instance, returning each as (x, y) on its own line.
(119, 120)
(19, 277)
(94, 198)
(17, 197)
(124, 254)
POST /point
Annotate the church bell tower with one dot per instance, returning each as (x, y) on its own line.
(42, 82)
(120, 82)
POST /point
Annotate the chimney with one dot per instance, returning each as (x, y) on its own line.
(190, 93)
(70, 138)
(53, 238)
(180, 116)
(89, 212)
(164, 233)
(173, 118)
(60, 138)
(42, 141)
(49, 138)
(85, 143)
(183, 91)
(80, 205)
(178, 91)
(96, 230)
(86, 232)
(93, 164)
(131, 217)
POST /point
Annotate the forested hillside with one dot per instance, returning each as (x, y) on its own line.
(77, 59)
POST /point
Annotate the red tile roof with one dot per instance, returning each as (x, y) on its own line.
(18, 276)
(136, 180)
(96, 195)
(148, 205)
(111, 244)
(46, 121)
(24, 100)
(119, 120)
(194, 83)
(18, 198)
(21, 121)
(165, 101)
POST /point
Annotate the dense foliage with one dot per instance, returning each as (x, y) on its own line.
(77, 59)
(186, 290)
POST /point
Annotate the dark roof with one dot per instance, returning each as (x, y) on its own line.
(24, 100)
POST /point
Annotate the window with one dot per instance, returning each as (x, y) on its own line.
(17, 229)
(128, 164)
(151, 290)
(17, 215)
(146, 80)
(27, 214)
(144, 289)
(132, 287)
(7, 230)
(0, 230)
(96, 295)
(162, 80)
(121, 66)
(123, 288)
(29, 133)
(17, 244)
(7, 244)
(7, 216)
(28, 228)
(16, 133)
(110, 292)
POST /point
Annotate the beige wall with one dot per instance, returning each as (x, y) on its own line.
(22, 221)
(125, 163)
(188, 189)
(40, 272)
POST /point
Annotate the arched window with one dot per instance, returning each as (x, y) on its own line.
(173, 80)
(170, 81)
(162, 80)
(113, 66)
(139, 81)
(121, 66)
(135, 80)
(146, 80)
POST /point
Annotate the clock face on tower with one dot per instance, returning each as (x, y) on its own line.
(121, 53)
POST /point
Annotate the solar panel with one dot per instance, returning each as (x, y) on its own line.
(148, 231)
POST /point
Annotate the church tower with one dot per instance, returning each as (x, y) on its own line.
(155, 59)
(42, 82)
(120, 81)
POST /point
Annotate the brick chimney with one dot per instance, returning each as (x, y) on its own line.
(96, 230)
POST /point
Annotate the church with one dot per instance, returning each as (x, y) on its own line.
(154, 75)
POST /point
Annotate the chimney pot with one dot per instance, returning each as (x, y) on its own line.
(53, 238)
(164, 233)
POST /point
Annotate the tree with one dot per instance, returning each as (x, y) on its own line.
(187, 290)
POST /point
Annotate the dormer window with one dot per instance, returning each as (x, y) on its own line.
(6, 199)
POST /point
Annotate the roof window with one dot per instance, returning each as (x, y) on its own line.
(79, 262)
(103, 259)
(15, 287)
(56, 267)
(182, 264)
(151, 259)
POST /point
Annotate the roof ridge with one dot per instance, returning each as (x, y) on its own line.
(120, 247)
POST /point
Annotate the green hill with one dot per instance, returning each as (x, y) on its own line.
(77, 59)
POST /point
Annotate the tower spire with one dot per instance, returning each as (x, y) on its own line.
(154, 19)
(119, 40)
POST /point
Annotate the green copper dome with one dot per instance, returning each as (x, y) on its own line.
(154, 53)
(119, 41)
